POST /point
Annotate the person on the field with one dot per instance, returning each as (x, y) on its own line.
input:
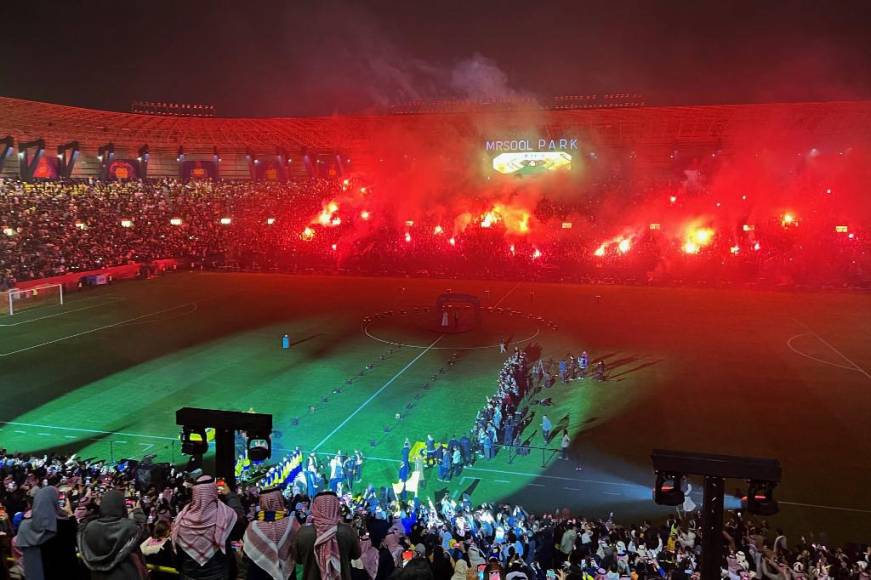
(337, 474)
(419, 468)
(486, 445)
(406, 450)
(285, 342)
(445, 319)
(563, 371)
(546, 427)
(430, 449)
(583, 363)
(446, 464)
(457, 461)
(564, 446)
(508, 431)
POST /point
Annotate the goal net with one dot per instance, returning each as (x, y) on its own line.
(18, 299)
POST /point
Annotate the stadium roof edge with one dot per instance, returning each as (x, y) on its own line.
(484, 111)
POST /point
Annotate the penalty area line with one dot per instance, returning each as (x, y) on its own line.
(93, 330)
(811, 331)
(376, 393)
(108, 299)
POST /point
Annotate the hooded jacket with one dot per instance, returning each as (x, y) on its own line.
(109, 544)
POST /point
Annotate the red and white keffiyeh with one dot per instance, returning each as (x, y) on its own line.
(203, 526)
(325, 518)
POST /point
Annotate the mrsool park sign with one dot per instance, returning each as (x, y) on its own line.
(499, 145)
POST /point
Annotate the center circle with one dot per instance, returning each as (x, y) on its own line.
(412, 327)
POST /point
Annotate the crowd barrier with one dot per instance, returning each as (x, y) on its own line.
(72, 281)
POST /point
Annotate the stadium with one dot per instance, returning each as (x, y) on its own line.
(586, 308)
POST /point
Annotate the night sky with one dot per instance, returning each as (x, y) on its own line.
(311, 58)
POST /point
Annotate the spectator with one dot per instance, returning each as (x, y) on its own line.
(325, 546)
(47, 538)
(109, 544)
(268, 539)
(201, 534)
(158, 550)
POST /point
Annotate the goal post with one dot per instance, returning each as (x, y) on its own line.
(18, 299)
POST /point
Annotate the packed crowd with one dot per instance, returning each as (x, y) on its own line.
(63, 517)
(57, 227)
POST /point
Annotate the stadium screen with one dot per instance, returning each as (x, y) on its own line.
(521, 157)
(531, 162)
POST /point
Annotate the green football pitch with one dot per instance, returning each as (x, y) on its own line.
(782, 375)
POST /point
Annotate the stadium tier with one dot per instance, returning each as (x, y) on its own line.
(652, 134)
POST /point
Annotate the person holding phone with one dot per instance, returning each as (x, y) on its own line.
(47, 538)
(109, 544)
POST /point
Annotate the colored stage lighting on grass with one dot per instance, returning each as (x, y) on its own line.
(438, 230)
(624, 245)
(225, 221)
(126, 223)
(175, 221)
(307, 234)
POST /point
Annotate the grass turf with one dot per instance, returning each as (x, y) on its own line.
(727, 371)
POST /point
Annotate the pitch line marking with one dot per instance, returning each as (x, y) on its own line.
(376, 393)
(109, 299)
(811, 357)
(853, 366)
(99, 431)
(93, 330)
(504, 296)
(406, 345)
